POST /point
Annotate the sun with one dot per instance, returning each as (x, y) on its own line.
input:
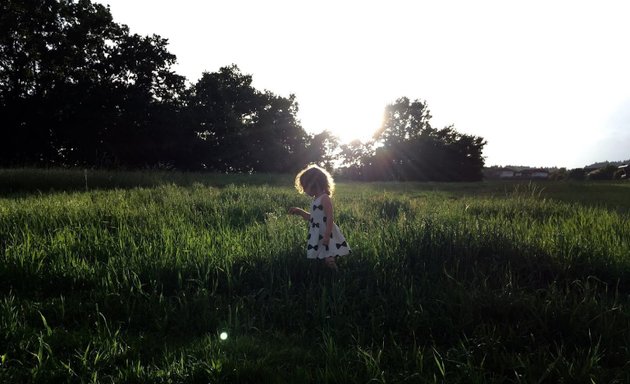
(353, 119)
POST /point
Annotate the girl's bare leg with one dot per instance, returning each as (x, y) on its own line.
(330, 263)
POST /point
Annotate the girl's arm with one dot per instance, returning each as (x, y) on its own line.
(328, 213)
(300, 212)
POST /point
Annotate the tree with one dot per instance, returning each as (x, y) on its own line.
(321, 149)
(604, 173)
(276, 140)
(243, 129)
(354, 156)
(146, 104)
(222, 106)
(411, 149)
(404, 120)
(576, 174)
(77, 88)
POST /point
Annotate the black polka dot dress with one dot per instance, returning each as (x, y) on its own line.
(337, 245)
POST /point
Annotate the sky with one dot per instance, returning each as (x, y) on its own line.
(545, 83)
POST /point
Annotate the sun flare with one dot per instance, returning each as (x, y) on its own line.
(352, 120)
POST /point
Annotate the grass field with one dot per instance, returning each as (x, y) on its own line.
(132, 278)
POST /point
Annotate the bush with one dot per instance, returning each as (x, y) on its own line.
(577, 174)
(606, 173)
(620, 174)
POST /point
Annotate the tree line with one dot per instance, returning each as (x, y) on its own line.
(78, 89)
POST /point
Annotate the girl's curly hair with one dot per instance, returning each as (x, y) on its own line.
(316, 176)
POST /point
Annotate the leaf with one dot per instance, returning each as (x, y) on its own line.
(49, 330)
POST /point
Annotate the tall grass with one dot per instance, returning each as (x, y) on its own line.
(446, 283)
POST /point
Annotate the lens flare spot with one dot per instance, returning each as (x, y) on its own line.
(223, 336)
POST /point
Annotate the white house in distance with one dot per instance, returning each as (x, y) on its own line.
(517, 173)
(506, 173)
(535, 173)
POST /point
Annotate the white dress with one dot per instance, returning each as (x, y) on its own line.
(316, 228)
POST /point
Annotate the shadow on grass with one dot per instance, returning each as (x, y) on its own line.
(613, 195)
(497, 311)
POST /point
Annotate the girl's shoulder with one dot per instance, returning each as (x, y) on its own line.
(324, 199)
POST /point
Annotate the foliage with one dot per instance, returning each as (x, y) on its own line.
(76, 88)
(577, 174)
(466, 282)
(620, 174)
(407, 147)
(354, 157)
(604, 173)
(322, 149)
(243, 129)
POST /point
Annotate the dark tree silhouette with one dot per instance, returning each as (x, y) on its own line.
(321, 149)
(243, 129)
(278, 141)
(407, 147)
(77, 88)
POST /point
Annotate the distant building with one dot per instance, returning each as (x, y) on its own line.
(535, 173)
(515, 173)
(624, 171)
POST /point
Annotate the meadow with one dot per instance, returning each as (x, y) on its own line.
(133, 277)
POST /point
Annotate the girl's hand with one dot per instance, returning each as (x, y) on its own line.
(299, 212)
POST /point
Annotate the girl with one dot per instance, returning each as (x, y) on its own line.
(325, 240)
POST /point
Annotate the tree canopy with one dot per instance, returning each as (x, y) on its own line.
(407, 147)
(78, 89)
(243, 129)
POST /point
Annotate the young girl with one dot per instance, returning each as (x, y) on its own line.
(325, 240)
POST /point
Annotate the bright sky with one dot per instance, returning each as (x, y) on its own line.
(545, 82)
